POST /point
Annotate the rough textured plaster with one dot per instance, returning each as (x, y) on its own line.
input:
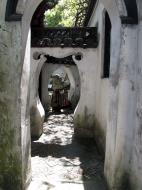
(12, 57)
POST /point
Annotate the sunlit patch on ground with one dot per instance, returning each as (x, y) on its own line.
(60, 162)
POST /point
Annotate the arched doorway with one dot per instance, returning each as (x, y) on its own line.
(79, 57)
(115, 40)
(69, 74)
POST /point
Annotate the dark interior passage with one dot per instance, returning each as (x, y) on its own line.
(107, 47)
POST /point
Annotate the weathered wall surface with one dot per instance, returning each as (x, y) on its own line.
(122, 124)
(10, 76)
(14, 102)
(84, 116)
(74, 78)
(136, 158)
(100, 84)
(25, 115)
(121, 88)
(37, 112)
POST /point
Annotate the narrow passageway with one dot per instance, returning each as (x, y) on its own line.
(60, 162)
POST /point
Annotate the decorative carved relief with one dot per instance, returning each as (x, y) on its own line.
(84, 11)
(65, 37)
(67, 60)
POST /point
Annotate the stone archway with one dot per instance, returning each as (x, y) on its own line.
(38, 66)
(128, 34)
(73, 75)
(74, 78)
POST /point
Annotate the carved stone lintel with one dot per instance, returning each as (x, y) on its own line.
(65, 37)
(66, 60)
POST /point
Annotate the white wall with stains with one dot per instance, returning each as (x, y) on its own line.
(116, 103)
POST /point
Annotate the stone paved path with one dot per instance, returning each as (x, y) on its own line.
(59, 162)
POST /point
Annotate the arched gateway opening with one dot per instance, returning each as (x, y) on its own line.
(64, 47)
(84, 46)
(67, 77)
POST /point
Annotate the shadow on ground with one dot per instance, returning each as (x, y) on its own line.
(62, 162)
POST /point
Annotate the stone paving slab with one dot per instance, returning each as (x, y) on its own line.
(60, 162)
(91, 185)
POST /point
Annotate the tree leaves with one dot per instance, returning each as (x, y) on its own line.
(63, 15)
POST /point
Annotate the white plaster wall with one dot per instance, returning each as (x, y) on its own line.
(120, 125)
(136, 160)
(37, 112)
(25, 115)
(122, 107)
(127, 101)
(74, 77)
(121, 97)
(101, 85)
(10, 118)
(107, 90)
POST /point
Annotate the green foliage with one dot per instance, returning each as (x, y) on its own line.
(63, 14)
